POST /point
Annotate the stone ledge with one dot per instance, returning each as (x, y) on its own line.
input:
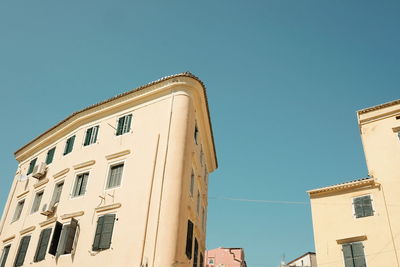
(23, 194)
(84, 164)
(47, 222)
(71, 215)
(108, 207)
(27, 230)
(60, 173)
(8, 238)
(118, 154)
(40, 183)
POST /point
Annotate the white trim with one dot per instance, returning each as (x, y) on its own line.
(109, 166)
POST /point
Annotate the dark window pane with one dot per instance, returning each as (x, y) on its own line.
(4, 255)
(31, 166)
(50, 155)
(23, 247)
(189, 239)
(55, 239)
(42, 244)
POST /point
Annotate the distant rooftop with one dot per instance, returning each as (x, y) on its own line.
(346, 185)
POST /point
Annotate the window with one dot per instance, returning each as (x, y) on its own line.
(31, 166)
(4, 255)
(22, 249)
(69, 145)
(201, 260)
(363, 206)
(42, 245)
(50, 155)
(189, 239)
(114, 176)
(211, 261)
(36, 202)
(191, 184)
(80, 184)
(201, 156)
(65, 238)
(18, 210)
(104, 231)
(196, 134)
(56, 194)
(124, 124)
(198, 202)
(353, 254)
(203, 219)
(195, 254)
(91, 135)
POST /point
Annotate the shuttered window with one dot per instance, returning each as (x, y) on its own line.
(36, 202)
(195, 254)
(91, 135)
(196, 135)
(31, 166)
(18, 210)
(56, 238)
(104, 231)
(56, 194)
(189, 239)
(50, 155)
(66, 242)
(114, 176)
(4, 255)
(80, 184)
(69, 145)
(124, 124)
(363, 206)
(198, 202)
(42, 245)
(22, 249)
(353, 254)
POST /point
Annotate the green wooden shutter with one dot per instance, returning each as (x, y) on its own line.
(23, 247)
(62, 241)
(367, 206)
(189, 239)
(70, 236)
(97, 236)
(42, 245)
(95, 132)
(358, 208)
(348, 255)
(127, 126)
(358, 255)
(87, 137)
(31, 166)
(120, 125)
(50, 155)
(106, 233)
(55, 239)
(4, 255)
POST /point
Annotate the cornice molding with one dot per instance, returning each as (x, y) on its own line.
(351, 239)
(370, 182)
(27, 230)
(118, 154)
(72, 215)
(61, 173)
(23, 194)
(108, 207)
(40, 183)
(47, 222)
(84, 164)
(5, 240)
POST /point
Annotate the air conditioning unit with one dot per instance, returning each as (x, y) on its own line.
(47, 211)
(39, 170)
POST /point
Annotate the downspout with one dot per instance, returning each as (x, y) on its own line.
(148, 203)
(163, 177)
(390, 225)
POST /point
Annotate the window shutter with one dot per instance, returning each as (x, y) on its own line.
(106, 233)
(31, 166)
(358, 207)
(55, 239)
(42, 244)
(127, 126)
(189, 239)
(367, 205)
(358, 255)
(23, 247)
(88, 136)
(348, 256)
(50, 155)
(94, 134)
(4, 255)
(97, 236)
(78, 185)
(74, 245)
(69, 242)
(62, 241)
(120, 125)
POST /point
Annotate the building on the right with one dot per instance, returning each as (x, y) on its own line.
(306, 260)
(357, 223)
(225, 257)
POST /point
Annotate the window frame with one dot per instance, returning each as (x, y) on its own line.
(91, 142)
(110, 165)
(72, 196)
(14, 219)
(123, 126)
(32, 165)
(34, 199)
(3, 259)
(354, 208)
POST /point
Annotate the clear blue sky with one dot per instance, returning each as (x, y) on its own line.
(284, 79)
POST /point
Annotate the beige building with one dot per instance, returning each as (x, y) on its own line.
(120, 183)
(357, 223)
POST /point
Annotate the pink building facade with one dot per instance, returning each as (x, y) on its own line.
(225, 257)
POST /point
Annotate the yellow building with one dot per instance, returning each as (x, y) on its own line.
(357, 224)
(120, 183)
